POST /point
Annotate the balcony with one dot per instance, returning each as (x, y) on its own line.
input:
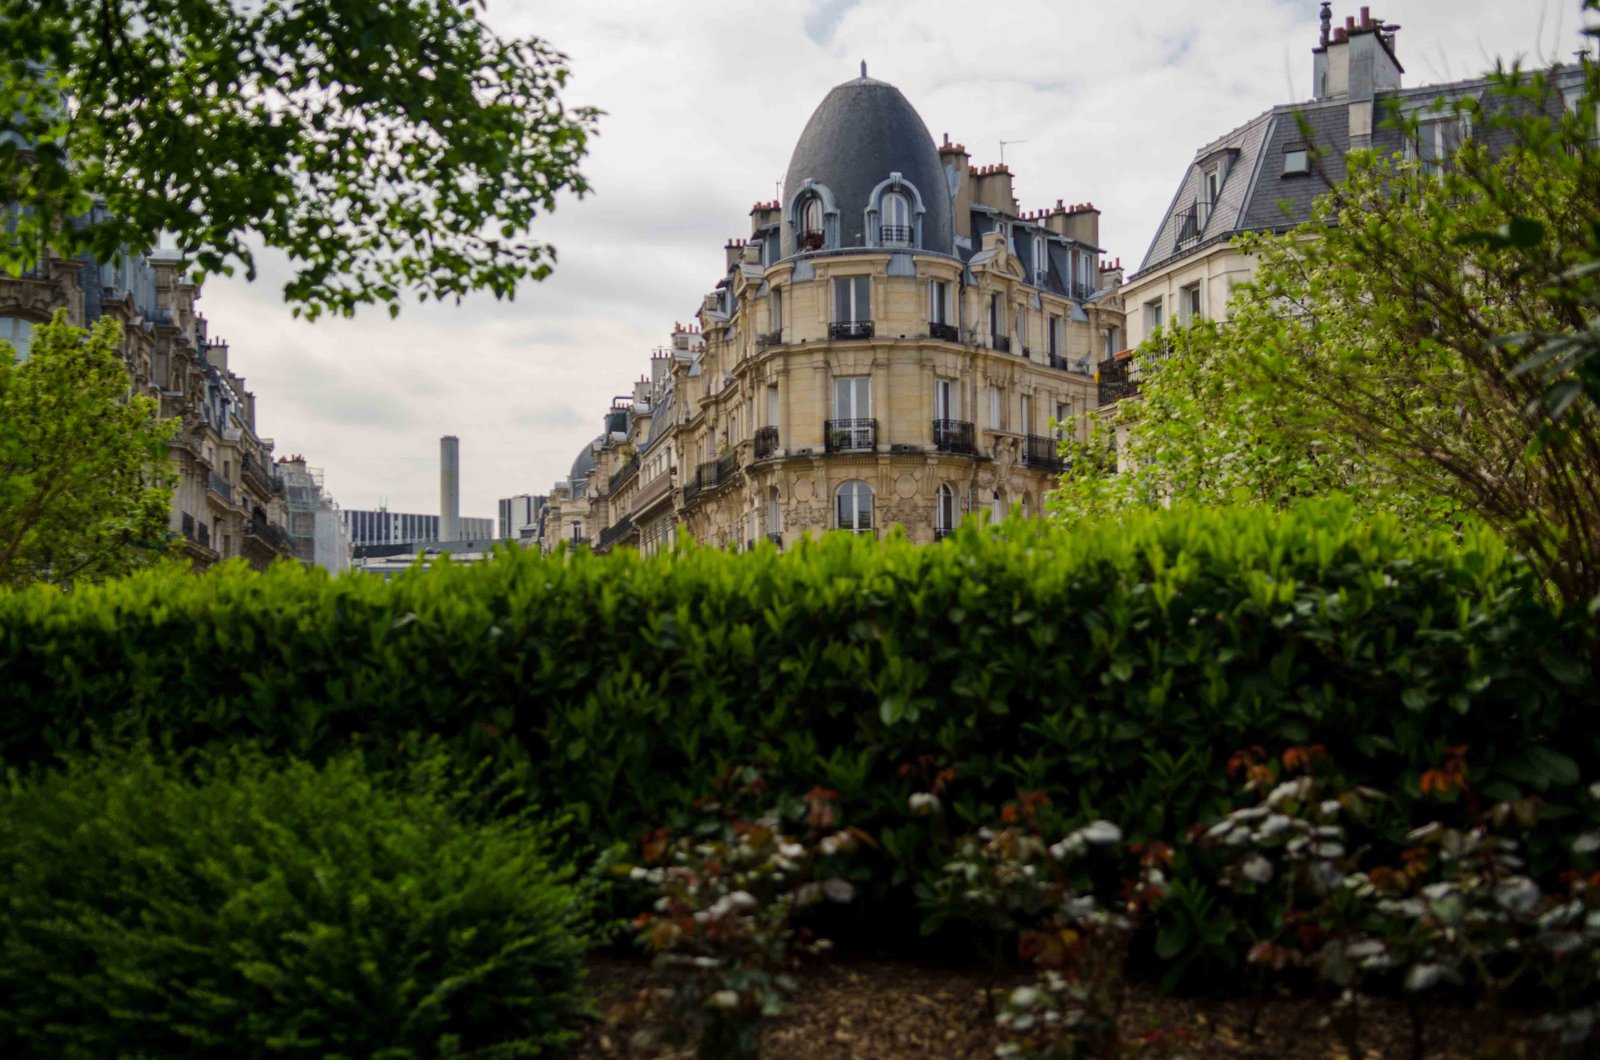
(954, 436)
(894, 235)
(1000, 342)
(1189, 223)
(651, 493)
(614, 534)
(944, 332)
(715, 473)
(771, 338)
(811, 239)
(1082, 291)
(1042, 453)
(622, 474)
(850, 329)
(1116, 380)
(215, 483)
(766, 442)
(275, 538)
(850, 436)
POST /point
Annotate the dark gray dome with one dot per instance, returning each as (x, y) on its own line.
(585, 462)
(863, 131)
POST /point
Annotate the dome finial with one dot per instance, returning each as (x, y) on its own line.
(863, 68)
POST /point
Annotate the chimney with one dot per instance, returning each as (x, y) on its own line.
(956, 163)
(449, 488)
(1356, 60)
(992, 187)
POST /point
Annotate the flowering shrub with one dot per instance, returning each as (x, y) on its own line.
(722, 922)
(1073, 1011)
(1457, 908)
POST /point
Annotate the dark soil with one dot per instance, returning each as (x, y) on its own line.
(886, 1010)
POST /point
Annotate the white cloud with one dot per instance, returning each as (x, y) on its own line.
(704, 102)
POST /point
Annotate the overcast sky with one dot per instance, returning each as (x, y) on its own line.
(704, 102)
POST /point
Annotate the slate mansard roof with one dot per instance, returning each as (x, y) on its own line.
(1257, 195)
(863, 131)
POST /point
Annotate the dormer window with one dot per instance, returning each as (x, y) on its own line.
(1041, 263)
(1438, 139)
(896, 230)
(811, 230)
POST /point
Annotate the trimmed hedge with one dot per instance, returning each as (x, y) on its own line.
(1115, 668)
(248, 907)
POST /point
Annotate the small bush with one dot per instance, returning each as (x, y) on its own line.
(246, 908)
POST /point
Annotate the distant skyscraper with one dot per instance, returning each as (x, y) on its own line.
(449, 488)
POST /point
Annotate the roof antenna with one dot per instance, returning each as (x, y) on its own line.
(863, 69)
(1003, 144)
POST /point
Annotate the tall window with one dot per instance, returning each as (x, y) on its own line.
(997, 507)
(944, 512)
(772, 404)
(938, 302)
(1053, 342)
(1041, 263)
(775, 310)
(811, 237)
(994, 408)
(1063, 420)
(1152, 316)
(1027, 413)
(1189, 303)
(997, 318)
(1438, 139)
(1113, 342)
(853, 507)
(774, 511)
(896, 213)
(19, 333)
(1017, 324)
(852, 397)
(852, 299)
(946, 400)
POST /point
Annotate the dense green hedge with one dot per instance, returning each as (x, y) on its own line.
(253, 907)
(1115, 668)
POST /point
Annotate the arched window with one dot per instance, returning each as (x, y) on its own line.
(19, 333)
(853, 507)
(997, 508)
(811, 232)
(774, 511)
(944, 512)
(1027, 505)
(896, 213)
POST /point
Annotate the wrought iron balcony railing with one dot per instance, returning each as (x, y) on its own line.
(954, 436)
(1189, 225)
(850, 329)
(766, 442)
(614, 533)
(894, 235)
(622, 474)
(850, 436)
(1000, 342)
(727, 465)
(1042, 453)
(944, 332)
(220, 486)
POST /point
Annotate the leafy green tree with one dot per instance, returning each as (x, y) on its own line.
(1387, 349)
(82, 463)
(387, 146)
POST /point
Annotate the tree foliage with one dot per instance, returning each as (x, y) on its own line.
(1411, 345)
(82, 463)
(387, 146)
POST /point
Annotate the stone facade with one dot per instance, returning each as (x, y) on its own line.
(228, 495)
(878, 353)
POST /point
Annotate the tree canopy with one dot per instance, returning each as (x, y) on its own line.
(1418, 345)
(388, 147)
(83, 464)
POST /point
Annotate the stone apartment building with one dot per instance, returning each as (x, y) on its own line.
(1265, 176)
(228, 495)
(895, 342)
